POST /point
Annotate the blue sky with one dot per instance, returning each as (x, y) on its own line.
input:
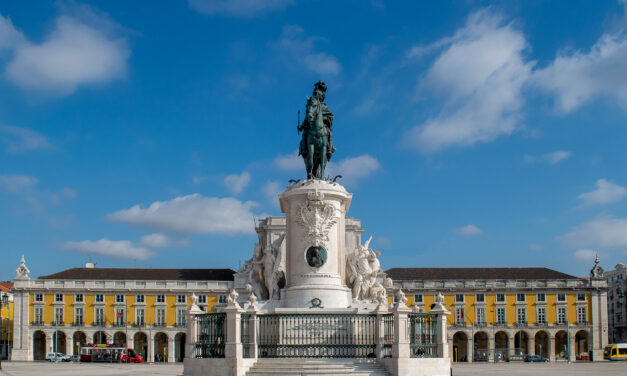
(471, 133)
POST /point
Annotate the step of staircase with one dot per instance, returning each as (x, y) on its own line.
(311, 367)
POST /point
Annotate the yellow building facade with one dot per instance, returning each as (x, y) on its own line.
(143, 309)
(507, 313)
(6, 319)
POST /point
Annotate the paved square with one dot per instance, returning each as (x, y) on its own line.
(88, 369)
(541, 369)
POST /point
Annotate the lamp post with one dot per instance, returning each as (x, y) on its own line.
(568, 339)
(150, 341)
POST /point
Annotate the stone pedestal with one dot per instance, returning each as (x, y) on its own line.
(315, 245)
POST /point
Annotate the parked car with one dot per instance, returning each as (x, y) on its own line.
(75, 358)
(57, 357)
(535, 358)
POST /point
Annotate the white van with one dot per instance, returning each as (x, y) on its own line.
(59, 357)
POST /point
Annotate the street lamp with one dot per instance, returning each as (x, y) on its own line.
(493, 337)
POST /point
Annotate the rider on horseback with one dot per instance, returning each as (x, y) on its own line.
(317, 99)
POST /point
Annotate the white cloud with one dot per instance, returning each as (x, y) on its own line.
(17, 183)
(578, 77)
(289, 162)
(601, 232)
(9, 35)
(469, 230)
(480, 76)
(553, 158)
(585, 255)
(353, 169)
(301, 49)
(236, 183)
(18, 139)
(605, 193)
(114, 248)
(80, 50)
(156, 240)
(238, 8)
(191, 214)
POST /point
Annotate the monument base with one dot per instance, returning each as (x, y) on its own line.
(316, 296)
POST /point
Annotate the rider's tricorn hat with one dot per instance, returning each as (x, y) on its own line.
(321, 86)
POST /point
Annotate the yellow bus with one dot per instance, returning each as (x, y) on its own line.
(615, 351)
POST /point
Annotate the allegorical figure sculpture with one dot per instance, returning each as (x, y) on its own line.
(265, 270)
(362, 270)
(316, 146)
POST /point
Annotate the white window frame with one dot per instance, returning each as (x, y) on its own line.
(521, 312)
(99, 316)
(562, 318)
(99, 298)
(39, 315)
(181, 299)
(460, 315)
(543, 295)
(541, 314)
(501, 315)
(582, 312)
(557, 297)
(160, 316)
(79, 315)
(119, 298)
(39, 297)
(457, 296)
(418, 298)
(161, 298)
(58, 298)
(498, 296)
(58, 315)
(140, 299)
(480, 315)
(180, 317)
(140, 316)
(202, 299)
(524, 298)
(482, 300)
(222, 299)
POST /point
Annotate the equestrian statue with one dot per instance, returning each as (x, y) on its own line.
(316, 146)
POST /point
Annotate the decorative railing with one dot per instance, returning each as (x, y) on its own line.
(422, 335)
(388, 335)
(317, 336)
(245, 337)
(211, 336)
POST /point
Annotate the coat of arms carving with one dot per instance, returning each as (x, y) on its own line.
(317, 216)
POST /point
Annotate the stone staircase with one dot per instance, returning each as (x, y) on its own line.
(307, 367)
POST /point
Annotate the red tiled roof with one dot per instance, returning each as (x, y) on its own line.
(144, 274)
(422, 274)
(6, 286)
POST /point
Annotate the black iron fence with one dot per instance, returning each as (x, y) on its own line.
(422, 335)
(245, 337)
(211, 336)
(317, 336)
(388, 335)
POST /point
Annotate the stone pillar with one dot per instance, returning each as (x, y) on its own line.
(151, 347)
(572, 347)
(532, 345)
(253, 330)
(441, 330)
(491, 349)
(69, 342)
(470, 349)
(551, 349)
(191, 332)
(171, 352)
(511, 346)
(130, 341)
(49, 342)
(400, 348)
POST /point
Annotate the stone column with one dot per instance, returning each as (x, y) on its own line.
(69, 342)
(470, 348)
(532, 345)
(49, 342)
(253, 330)
(491, 347)
(571, 350)
(171, 352)
(151, 347)
(130, 341)
(400, 348)
(441, 330)
(551, 349)
(511, 346)
(191, 333)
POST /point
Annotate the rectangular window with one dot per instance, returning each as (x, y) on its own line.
(541, 315)
(119, 283)
(39, 297)
(561, 297)
(139, 299)
(119, 316)
(119, 298)
(222, 299)
(78, 316)
(459, 316)
(202, 299)
(99, 316)
(418, 298)
(181, 299)
(58, 316)
(500, 315)
(160, 317)
(459, 298)
(521, 315)
(58, 297)
(481, 316)
(582, 317)
(480, 298)
(561, 315)
(520, 297)
(581, 297)
(140, 317)
(542, 297)
(180, 317)
(39, 315)
(500, 297)
(78, 297)
(160, 298)
(99, 298)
